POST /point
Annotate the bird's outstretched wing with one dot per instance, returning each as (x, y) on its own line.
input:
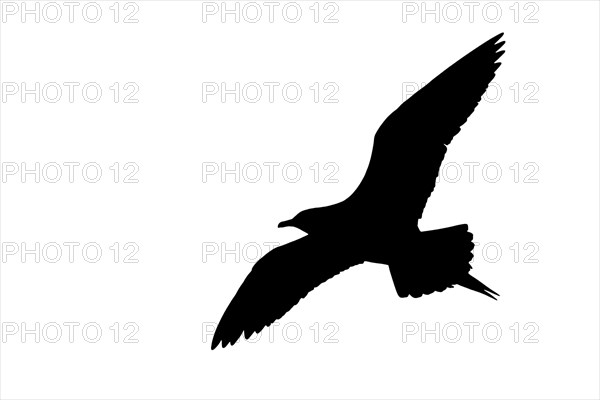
(277, 282)
(411, 143)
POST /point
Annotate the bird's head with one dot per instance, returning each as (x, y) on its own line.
(303, 220)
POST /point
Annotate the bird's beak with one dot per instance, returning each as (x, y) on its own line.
(285, 223)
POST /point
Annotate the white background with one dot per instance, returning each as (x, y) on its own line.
(175, 292)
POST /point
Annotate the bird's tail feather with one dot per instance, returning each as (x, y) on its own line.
(440, 261)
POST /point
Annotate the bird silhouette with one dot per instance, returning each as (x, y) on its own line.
(379, 221)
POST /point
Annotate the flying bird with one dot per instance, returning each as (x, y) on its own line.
(379, 221)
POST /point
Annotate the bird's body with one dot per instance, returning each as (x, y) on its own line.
(379, 222)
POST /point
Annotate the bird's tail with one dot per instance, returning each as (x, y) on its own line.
(440, 261)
